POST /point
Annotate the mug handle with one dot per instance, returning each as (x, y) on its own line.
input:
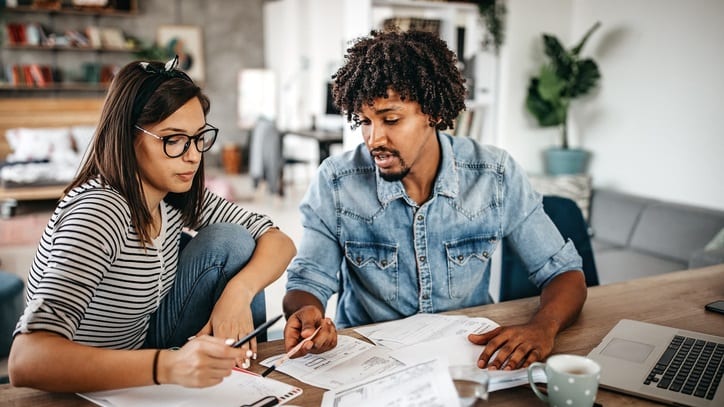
(532, 384)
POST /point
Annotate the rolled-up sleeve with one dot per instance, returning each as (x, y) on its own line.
(533, 235)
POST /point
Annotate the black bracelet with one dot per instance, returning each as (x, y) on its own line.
(155, 366)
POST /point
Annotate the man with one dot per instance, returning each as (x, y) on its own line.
(408, 221)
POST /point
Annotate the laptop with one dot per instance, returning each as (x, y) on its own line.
(668, 365)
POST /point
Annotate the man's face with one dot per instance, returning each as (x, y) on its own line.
(397, 134)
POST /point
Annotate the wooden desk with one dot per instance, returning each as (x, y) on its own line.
(673, 299)
(325, 139)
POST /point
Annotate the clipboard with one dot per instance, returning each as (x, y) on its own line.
(240, 388)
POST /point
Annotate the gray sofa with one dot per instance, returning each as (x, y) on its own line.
(635, 237)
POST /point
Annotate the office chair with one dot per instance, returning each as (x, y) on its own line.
(567, 217)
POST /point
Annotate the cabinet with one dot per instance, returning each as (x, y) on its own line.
(63, 49)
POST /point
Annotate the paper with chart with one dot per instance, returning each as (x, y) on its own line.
(241, 387)
(350, 361)
(422, 384)
(423, 327)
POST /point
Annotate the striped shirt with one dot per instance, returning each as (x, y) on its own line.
(94, 281)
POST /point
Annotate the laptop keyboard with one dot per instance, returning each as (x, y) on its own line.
(689, 366)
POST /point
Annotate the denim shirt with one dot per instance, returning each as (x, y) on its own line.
(389, 257)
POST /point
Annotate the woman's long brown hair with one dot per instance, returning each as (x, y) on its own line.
(111, 157)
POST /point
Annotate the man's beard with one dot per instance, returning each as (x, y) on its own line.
(394, 176)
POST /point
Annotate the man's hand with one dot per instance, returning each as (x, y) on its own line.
(302, 324)
(517, 346)
(520, 345)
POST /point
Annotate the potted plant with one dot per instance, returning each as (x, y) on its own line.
(565, 77)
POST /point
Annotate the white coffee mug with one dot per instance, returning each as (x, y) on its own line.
(572, 380)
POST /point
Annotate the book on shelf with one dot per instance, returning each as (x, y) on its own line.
(412, 23)
(112, 38)
(470, 123)
(94, 36)
(30, 75)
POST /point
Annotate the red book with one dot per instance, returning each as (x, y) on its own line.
(28, 75)
(37, 75)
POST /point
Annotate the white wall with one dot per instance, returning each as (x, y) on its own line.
(303, 45)
(655, 125)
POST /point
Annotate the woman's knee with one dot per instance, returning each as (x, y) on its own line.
(227, 241)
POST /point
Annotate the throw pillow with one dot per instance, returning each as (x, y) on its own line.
(575, 187)
(717, 242)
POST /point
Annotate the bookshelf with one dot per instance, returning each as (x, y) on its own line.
(63, 48)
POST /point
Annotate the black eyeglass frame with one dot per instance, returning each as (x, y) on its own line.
(187, 144)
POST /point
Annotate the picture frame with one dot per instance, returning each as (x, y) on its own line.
(186, 41)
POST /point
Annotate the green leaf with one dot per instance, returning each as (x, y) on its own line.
(586, 78)
(550, 86)
(547, 113)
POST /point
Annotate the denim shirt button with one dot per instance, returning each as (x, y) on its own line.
(420, 217)
(460, 257)
(422, 259)
(359, 259)
(425, 296)
(485, 254)
(384, 263)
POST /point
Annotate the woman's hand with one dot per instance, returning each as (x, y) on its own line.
(231, 318)
(203, 361)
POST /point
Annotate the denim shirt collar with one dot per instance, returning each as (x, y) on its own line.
(446, 181)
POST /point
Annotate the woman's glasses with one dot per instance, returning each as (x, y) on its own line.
(176, 145)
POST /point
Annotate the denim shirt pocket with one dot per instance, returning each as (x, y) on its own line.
(467, 260)
(375, 264)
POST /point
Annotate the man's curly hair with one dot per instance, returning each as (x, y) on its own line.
(416, 64)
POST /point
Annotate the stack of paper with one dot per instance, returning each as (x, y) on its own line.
(406, 342)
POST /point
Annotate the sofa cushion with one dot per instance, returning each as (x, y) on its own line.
(675, 231)
(614, 215)
(625, 264)
(600, 246)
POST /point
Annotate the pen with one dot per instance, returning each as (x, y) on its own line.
(289, 354)
(267, 401)
(261, 328)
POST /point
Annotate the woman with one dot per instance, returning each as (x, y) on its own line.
(114, 284)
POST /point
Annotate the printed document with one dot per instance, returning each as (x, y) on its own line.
(403, 342)
(422, 384)
(241, 387)
(460, 351)
(350, 361)
(422, 328)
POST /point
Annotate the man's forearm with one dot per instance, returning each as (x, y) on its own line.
(296, 299)
(561, 301)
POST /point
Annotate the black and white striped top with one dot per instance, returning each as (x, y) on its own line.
(93, 281)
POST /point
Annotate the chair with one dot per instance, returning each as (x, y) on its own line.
(266, 156)
(567, 217)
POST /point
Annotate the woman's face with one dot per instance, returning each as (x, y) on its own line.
(161, 174)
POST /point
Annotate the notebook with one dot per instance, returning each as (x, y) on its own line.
(668, 365)
(240, 388)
